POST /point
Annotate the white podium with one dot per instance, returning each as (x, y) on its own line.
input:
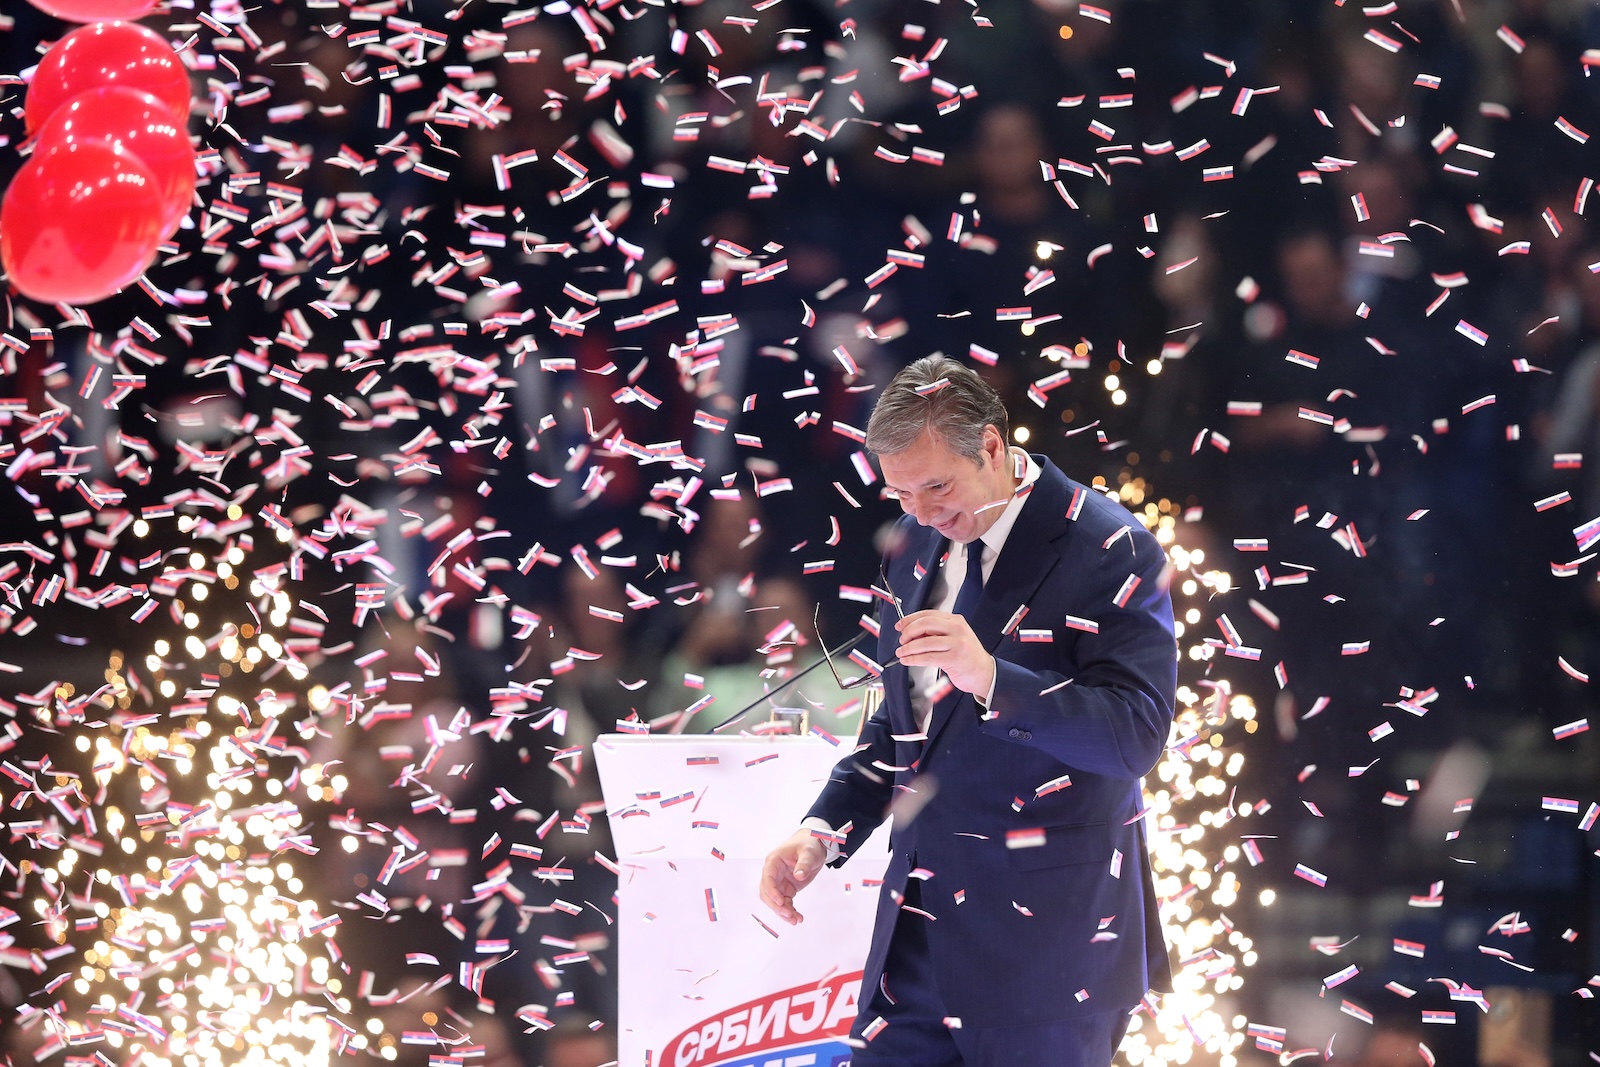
(708, 976)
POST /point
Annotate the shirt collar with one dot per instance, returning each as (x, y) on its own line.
(995, 537)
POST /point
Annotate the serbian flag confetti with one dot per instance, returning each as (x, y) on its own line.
(1031, 837)
(1316, 878)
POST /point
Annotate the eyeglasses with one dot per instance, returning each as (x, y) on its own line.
(847, 650)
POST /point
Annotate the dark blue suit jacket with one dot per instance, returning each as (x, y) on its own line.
(1024, 921)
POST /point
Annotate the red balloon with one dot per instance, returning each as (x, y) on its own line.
(95, 10)
(80, 221)
(122, 54)
(144, 126)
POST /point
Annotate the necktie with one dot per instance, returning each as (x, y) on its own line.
(966, 603)
(972, 585)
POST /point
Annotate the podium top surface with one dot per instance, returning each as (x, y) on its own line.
(714, 740)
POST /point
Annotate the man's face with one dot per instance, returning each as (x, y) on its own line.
(949, 492)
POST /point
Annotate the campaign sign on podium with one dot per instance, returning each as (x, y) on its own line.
(708, 976)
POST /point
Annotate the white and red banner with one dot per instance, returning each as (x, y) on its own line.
(708, 976)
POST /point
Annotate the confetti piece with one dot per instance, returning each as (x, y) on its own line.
(1571, 131)
(1302, 359)
(1031, 837)
(1316, 878)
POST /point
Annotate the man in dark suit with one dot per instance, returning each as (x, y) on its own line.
(1029, 686)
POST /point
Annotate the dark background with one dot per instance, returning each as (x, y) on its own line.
(1461, 586)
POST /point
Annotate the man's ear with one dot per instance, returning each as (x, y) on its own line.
(994, 445)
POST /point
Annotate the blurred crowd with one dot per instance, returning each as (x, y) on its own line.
(1378, 197)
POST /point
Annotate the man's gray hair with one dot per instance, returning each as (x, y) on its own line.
(936, 393)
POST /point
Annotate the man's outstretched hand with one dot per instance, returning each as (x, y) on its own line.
(789, 868)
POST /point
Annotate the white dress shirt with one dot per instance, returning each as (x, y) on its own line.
(947, 579)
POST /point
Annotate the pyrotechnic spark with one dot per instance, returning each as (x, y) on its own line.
(1195, 818)
(164, 875)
